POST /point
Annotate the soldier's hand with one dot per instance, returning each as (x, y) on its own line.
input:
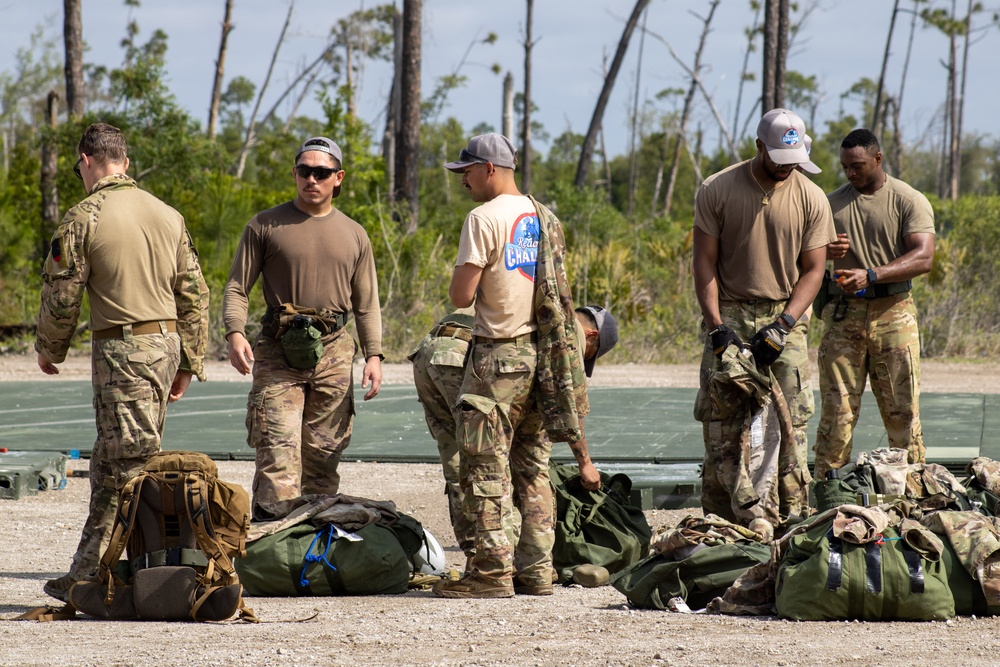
(723, 337)
(838, 248)
(182, 380)
(240, 352)
(768, 343)
(589, 477)
(47, 366)
(373, 374)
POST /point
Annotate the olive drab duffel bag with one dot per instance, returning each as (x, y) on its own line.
(181, 526)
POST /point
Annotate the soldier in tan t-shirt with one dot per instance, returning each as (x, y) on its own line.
(885, 239)
(310, 255)
(760, 235)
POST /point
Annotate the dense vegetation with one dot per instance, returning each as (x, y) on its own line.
(634, 263)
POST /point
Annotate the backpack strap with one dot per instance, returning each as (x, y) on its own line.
(120, 532)
(195, 496)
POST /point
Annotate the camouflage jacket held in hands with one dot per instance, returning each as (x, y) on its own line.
(562, 384)
(148, 276)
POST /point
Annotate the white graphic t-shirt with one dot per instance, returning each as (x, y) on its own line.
(501, 236)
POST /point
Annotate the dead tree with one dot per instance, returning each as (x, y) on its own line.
(251, 123)
(526, 126)
(775, 54)
(73, 39)
(507, 117)
(393, 108)
(877, 109)
(686, 110)
(220, 69)
(407, 183)
(633, 158)
(587, 151)
(50, 167)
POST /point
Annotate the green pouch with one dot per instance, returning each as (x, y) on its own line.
(822, 296)
(302, 343)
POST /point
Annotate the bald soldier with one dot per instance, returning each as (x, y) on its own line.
(132, 255)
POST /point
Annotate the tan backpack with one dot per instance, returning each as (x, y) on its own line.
(181, 527)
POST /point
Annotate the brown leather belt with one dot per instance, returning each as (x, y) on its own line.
(452, 331)
(138, 329)
(523, 338)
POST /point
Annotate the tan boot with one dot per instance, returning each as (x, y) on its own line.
(472, 586)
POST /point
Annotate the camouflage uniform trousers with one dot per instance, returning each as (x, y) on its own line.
(878, 338)
(438, 372)
(131, 381)
(299, 421)
(505, 457)
(791, 371)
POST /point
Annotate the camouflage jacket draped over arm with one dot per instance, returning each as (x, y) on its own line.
(562, 385)
(191, 296)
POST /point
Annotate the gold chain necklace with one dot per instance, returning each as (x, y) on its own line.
(767, 193)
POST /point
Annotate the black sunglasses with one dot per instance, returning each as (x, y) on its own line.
(304, 171)
(76, 168)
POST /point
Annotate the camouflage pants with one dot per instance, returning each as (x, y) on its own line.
(131, 378)
(438, 372)
(790, 370)
(878, 338)
(505, 453)
(299, 421)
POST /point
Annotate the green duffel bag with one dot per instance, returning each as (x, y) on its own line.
(598, 527)
(823, 578)
(306, 560)
(706, 574)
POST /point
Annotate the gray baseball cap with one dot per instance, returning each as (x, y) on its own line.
(783, 134)
(483, 148)
(323, 145)
(810, 167)
(607, 334)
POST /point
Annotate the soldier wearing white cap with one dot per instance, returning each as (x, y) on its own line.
(760, 234)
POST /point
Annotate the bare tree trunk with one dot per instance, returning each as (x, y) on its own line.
(312, 71)
(349, 67)
(306, 87)
(781, 59)
(392, 116)
(899, 98)
(956, 169)
(526, 127)
(686, 111)
(876, 126)
(507, 118)
(770, 53)
(606, 165)
(633, 175)
(73, 39)
(220, 69)
(408, 141)
(953, 105)
(50, 166)
(587, 153)
(251, 124)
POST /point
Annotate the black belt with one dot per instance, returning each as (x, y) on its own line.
(876, 291)
(523, 338)
(452, 331)
(327, 325)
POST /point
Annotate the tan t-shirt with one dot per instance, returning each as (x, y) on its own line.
(876, 224)
(501, 236)
(313, 262)
(760, 244)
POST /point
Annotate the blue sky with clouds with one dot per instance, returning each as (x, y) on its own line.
(841, 42)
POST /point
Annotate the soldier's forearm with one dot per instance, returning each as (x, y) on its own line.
(580, 452)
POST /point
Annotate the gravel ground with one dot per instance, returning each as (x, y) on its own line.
(575, 626)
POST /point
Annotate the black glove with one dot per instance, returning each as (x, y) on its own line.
(723, 337)
(768, 343)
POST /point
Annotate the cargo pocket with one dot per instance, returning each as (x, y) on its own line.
(128, 419)
(256, 420)
(487, 496)
(480, 425)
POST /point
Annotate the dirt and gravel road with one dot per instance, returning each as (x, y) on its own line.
(576, 626)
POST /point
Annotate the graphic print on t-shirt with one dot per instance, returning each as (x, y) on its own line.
(521, 252)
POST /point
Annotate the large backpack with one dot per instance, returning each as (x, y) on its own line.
(181, 526)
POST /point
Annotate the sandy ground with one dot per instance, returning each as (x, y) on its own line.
(576, 626)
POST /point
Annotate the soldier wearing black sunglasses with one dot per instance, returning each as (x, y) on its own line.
(313, 260)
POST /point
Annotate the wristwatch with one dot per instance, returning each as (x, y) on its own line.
(872, 277)
(788, 320)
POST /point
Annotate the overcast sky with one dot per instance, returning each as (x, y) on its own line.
(842, 41)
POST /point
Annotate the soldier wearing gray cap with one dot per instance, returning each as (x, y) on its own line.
(317, 269)
(760, 234)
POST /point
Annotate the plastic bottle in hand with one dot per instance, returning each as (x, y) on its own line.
(839, 277)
